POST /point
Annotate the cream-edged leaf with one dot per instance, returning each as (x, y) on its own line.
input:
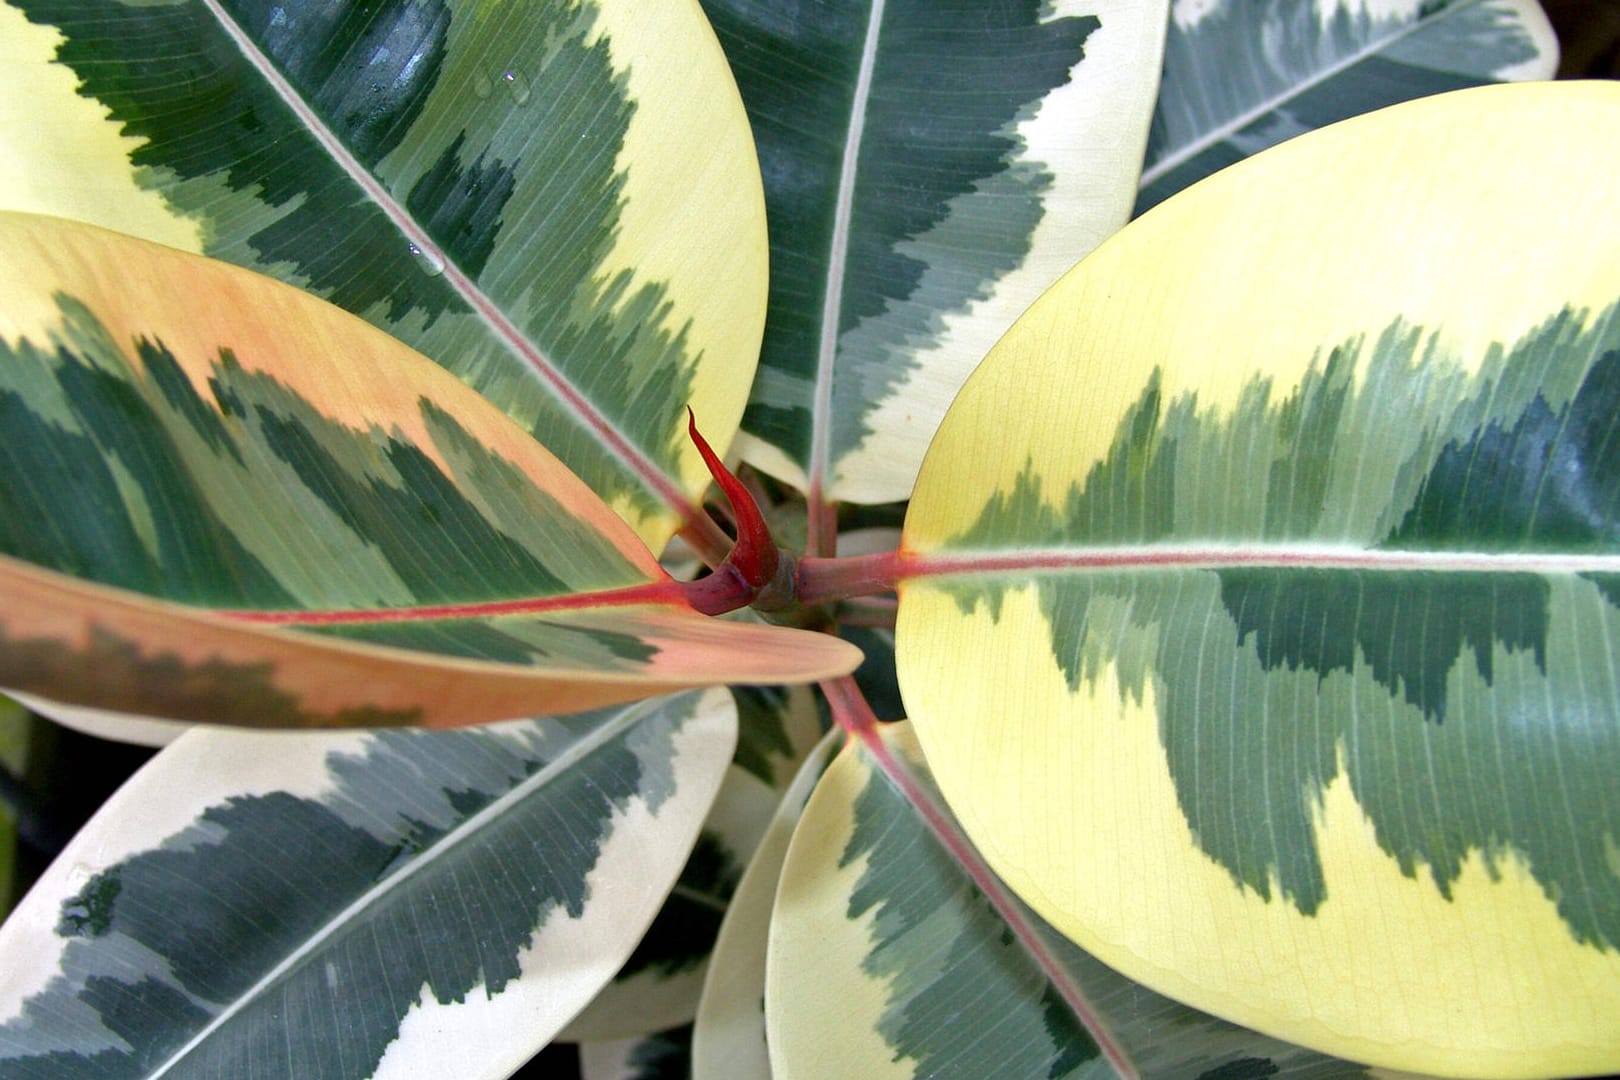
(261, 510)
(389, 904)
(728, 1038)
(558, 201)
(929, 169)
(887, 961)
(658, 987)
(1241, 76)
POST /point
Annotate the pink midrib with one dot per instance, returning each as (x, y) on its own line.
(889, 569)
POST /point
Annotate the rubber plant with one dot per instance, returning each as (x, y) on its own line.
(1253, 606)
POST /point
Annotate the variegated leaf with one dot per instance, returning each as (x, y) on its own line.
(389, 904)
(1241, 75)
(1274, 659)
(658, 987)
(557, 200)
(887, 961)
(179, 482)
(929, 169)
(728, 1038)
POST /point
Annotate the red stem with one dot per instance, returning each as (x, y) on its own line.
(707, 540)
(852, 713)
(822, 580)
(821, 525)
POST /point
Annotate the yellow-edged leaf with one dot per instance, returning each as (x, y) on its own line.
(1264, 587)
(558, 201)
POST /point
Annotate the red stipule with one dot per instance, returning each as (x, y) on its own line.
(755, 572)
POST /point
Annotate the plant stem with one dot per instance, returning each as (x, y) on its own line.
(754, 553)
(707, 540)
(724, 590)
(852, 713)
(821, 526)
(821, 580)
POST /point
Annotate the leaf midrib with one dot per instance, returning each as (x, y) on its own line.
(606, 433)
(941, 822)
(837, 256)
(429, 856)
(1146, 557)
(1224, 131)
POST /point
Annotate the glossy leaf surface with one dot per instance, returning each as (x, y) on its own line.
(728, 1037)
(177, 477)
(658, 988)
(557, 201)
(929, 169)
(886, 960)
(1241, 76)
(1274, 660)
(401, 903)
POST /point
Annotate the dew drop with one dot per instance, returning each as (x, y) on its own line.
(430, 263)
(517, 84)
(483, 87)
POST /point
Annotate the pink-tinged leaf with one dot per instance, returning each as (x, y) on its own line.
(260, 510)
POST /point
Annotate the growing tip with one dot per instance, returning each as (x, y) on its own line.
(754, 556)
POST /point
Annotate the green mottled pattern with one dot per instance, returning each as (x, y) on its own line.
(945, 203)
(1331, 461)
(121, 471)
(966, 1000)
(1470, 711)
(497, 128)
(763, 740)
(427, 866)
(1243, 75)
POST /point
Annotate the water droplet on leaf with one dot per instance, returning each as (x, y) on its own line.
(517, 84)
(430, 263)
(483, 87)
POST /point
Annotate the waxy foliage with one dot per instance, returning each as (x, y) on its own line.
(1256, 595)
(1274, 599)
